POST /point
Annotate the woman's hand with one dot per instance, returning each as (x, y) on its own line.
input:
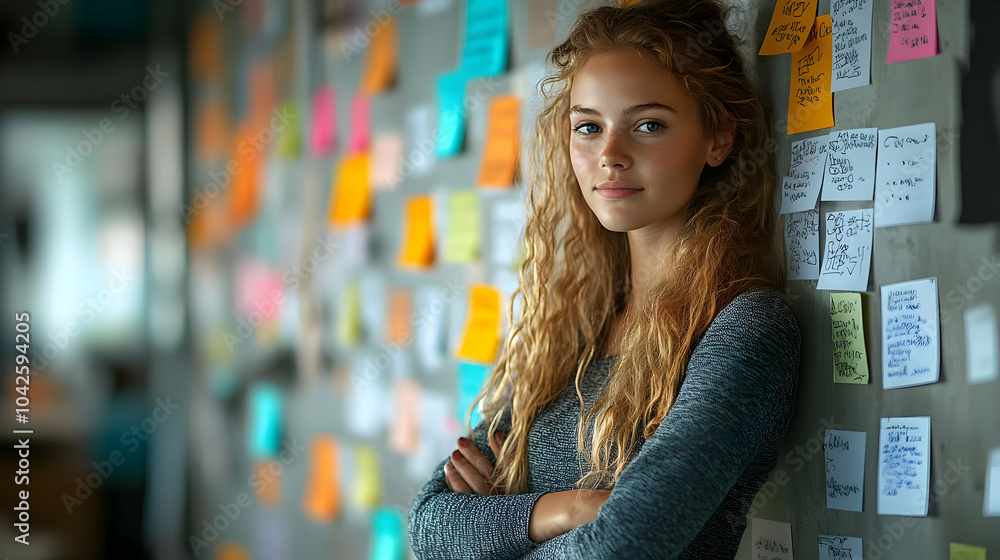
(469, 470)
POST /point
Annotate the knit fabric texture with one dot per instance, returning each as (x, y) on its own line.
(686, 492)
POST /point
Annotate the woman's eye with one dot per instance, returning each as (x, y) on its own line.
(580, 127)
(655, 124)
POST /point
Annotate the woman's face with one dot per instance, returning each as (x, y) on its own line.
(637, 145)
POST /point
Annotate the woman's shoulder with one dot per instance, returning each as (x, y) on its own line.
(758, 314)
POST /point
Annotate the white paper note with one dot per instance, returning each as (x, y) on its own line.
(850, 165)
(991, 496)
(904, 466)
(802, 245)
(845, 469)
(839, 548)
(905, 176)
(847, 253)
(852, 44)
(980, 344)
(910, 333)
(770, 540)
(800, 188)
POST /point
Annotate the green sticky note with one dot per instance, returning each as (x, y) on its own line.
(966, 552)
(850, 361)
(462, 240)
(349, 327)
(290, 139)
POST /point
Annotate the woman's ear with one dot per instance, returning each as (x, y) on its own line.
(720, 147)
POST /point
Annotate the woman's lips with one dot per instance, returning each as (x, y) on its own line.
(616, 189)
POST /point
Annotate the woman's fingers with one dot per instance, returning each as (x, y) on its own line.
(496, 442)
(469, 474)
(471, 454)
(455, 480)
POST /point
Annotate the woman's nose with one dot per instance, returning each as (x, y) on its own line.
(614, 153)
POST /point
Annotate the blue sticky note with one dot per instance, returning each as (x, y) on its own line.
(451, 115)
(387, 535)
(470, 379)
(487, 38)
(265, 420)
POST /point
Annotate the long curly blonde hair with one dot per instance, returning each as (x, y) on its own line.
(576, 274)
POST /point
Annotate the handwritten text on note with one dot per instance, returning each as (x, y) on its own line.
(847, 253)
(910, 333)
(904, 453)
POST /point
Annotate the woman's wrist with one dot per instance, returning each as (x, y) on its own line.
(551, 516)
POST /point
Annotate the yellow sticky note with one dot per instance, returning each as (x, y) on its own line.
(366, 491)
(810, 101)
(850, 360)
(398, 325)
(404, 430)
(350, 203)
(321, 497)
(501, 152)
(418, 234)
(462, 240)
(349, 325)
(481, 335)
(966, 552)
(790, 23)
(380, 62)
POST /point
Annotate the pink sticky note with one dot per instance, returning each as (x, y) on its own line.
(913, 31)
(360, 125)
(324, 122)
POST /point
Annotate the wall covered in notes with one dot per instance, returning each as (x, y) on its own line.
(354, 215)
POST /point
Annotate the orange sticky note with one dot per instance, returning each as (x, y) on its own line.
(380, 62)
(418, 235)
(321, 499)
(404, 430)
(810, 101)
(481, 335)
(232, 551)
(500, 155)
(205, 48)
(213, 130)
(262, 94)
(266, 481)
(790, 24)
(350, 203)
(245, 180)
(398, 325)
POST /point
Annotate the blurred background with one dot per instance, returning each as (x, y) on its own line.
(266, 249)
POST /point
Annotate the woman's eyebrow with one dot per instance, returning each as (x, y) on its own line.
(581, 110)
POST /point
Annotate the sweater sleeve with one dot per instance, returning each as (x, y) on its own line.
(453, 525)
(737, 399)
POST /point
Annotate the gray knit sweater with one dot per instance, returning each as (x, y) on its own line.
(685, 494)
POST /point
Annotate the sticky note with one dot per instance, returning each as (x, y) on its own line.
(462, 240)
(418, 233)
(481, 334)
(981, 355)
(324, 122)
(911, 347)
(388, 538)
(905, 175)
(800, 188)
(487, 38)
(914, 30)
(451, 114)
(264, 420)
(845, 469)
(245, 183)
(802, 245)
(349, 315)
(991, 492)
(380, 60)
(366, 410)
(367, 483)
(232, 551)
(810, 101)
(398, 325)
(429, 338)
(852, 44)
(261, 92)
(850, 164)
(404, 426)
(967, 552)
(289, 143)
(360, 124)
(205, 48)
(507, 219)
(212, 129)
(266, 481)
(850, 359)
(422, 139)
(350, 204)
(470, 380)
(770, 540)
(904, 459)
(500, 155)
(841, 548)
(790, 24)
(387, 152)
(848, 252)
(321, 497)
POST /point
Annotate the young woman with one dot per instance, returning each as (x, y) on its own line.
(639, 402)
